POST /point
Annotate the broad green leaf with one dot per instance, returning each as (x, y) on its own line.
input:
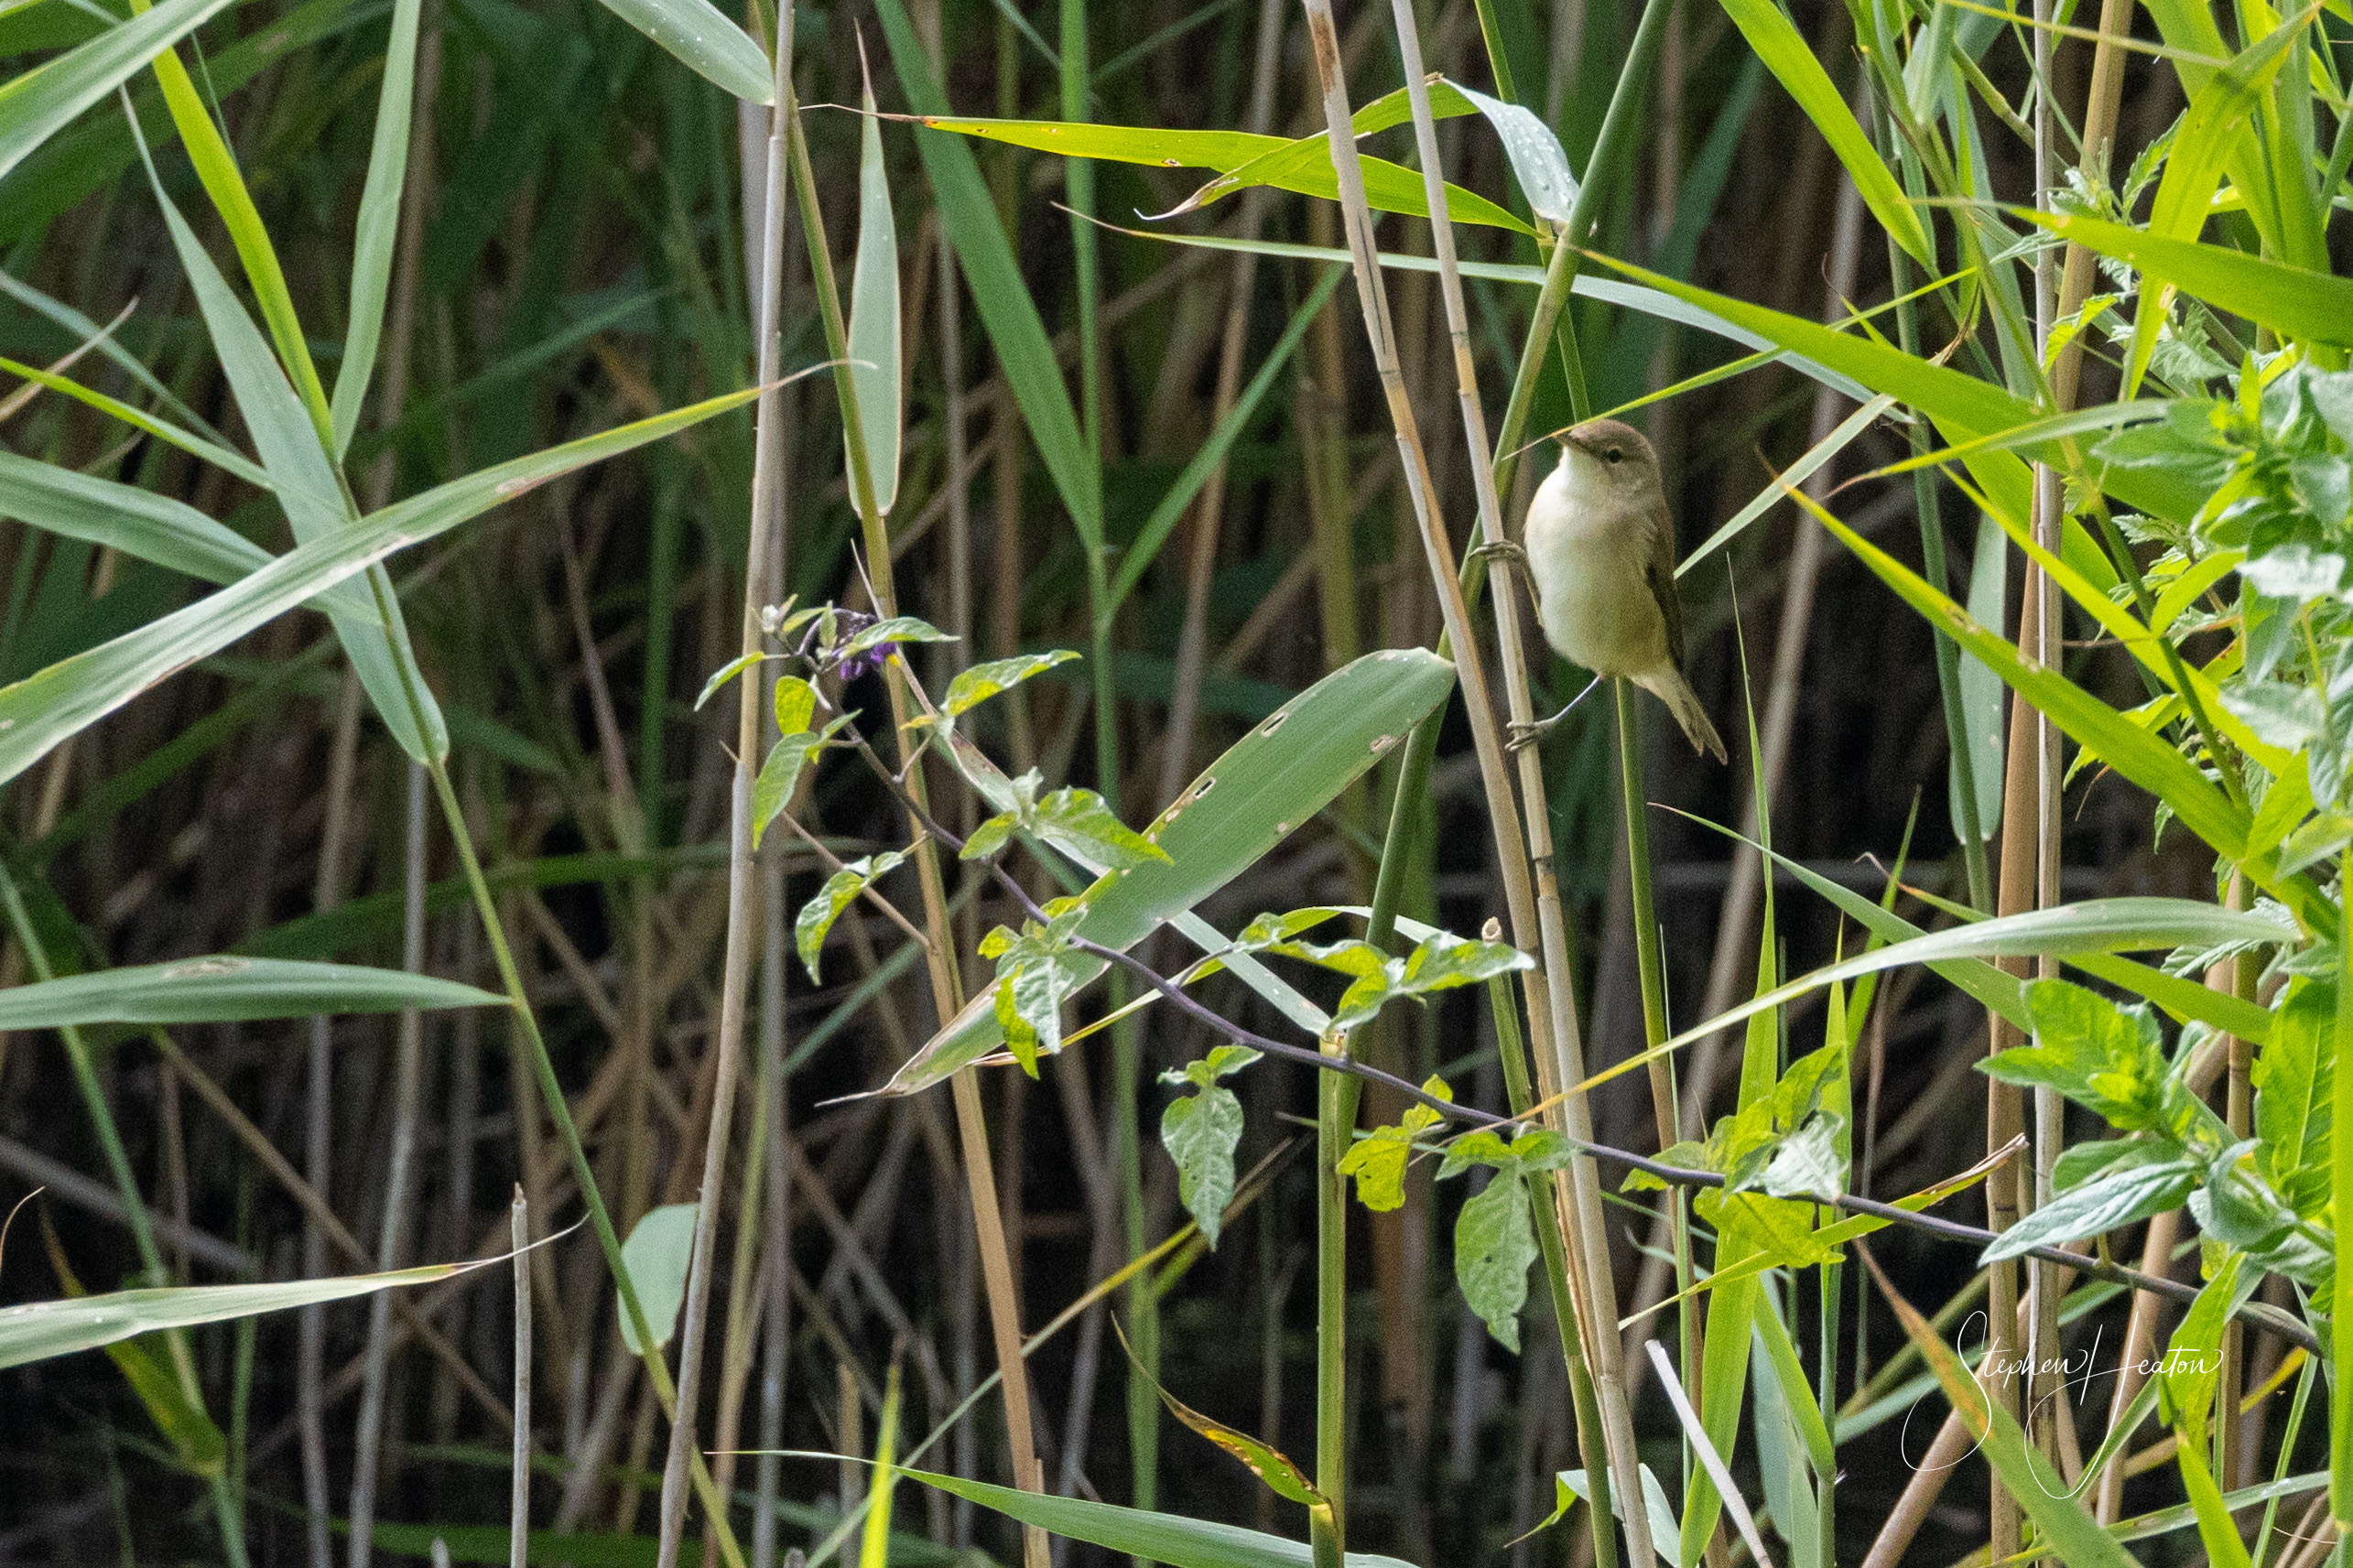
(1495, 1242)
(1777, 42)
(41, 710)
(1286, 159)
(2133, 1188)
(43, 1329)
(874, 316)
(1172, 1539)
(893, 630)
(818, 915)
(1378, 1159)
(38, 104)
(2296, 302)
(2061, 1526)
(780, 774)
(379, 224)
(1538, 160)
(1079, 823)
(220, 989)
(1201, 1131)
(968, 217)
(702, 38)
(974, 687)
(314, 500)
(2294, 1078)
(1569, 1486)
(2192, 1366)
(170, 435)
(1981, 704)
(659, 1247)
(123, 517)
(2109, 1058)
(1267, 785)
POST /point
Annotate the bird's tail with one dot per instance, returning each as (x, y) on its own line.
(1666, 684)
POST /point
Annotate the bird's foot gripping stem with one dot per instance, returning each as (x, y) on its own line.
(1500, 552)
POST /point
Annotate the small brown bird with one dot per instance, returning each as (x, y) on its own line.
(1600, 552)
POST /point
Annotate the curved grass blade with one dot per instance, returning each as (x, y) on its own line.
(223, 990)
(42, 1330)
(170, 435)
(38, 104)
(42, 710)
(702, 40)
(1776, 41)
(87, 330)
(123, 517)
(2294, 301)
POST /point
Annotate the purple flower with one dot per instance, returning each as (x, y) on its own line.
(868, 661)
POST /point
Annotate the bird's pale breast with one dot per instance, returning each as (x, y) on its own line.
(1595, 607)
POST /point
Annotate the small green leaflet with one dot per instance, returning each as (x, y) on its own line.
(896, 629)
(818, 915)
(1378, 1159)
(1440, 962)
(721, 676)
(974, 687)
(779, 776)
(1036, 972)
(1200, 1133)
(1077, 821)
(795, 705)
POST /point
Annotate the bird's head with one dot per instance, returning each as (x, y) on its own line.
(1607, 455)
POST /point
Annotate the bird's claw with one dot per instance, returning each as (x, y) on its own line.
(1520, 734)
(1499, 551)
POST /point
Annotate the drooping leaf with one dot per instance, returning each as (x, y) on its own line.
(702, 38)
(818, 915)
(39, 1330)
(123, 517)
(42, 710)
(220, 989)
(1201, 1131)
(38, 104)
(725, 672)
(1495, 1242)
(974, 687)
(2133, 1188)
(657, 1254)
(1079, 822)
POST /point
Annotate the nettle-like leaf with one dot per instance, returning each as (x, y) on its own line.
(2108, 1058)
(2148, 1178)
(818, 915)
(1037, 971)
(2294, 1079)
(1746, 1144)
(1201, 1131)
(1378, 1159)
(976, 686)
(1495, 1236)
(2235, 1207)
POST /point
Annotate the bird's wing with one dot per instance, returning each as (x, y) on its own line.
(1658, 571)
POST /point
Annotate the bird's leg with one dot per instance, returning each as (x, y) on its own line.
(1519, 736)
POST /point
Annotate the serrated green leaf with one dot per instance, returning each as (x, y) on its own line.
(2294, 1077)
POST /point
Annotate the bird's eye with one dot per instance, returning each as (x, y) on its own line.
(1614, 455)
